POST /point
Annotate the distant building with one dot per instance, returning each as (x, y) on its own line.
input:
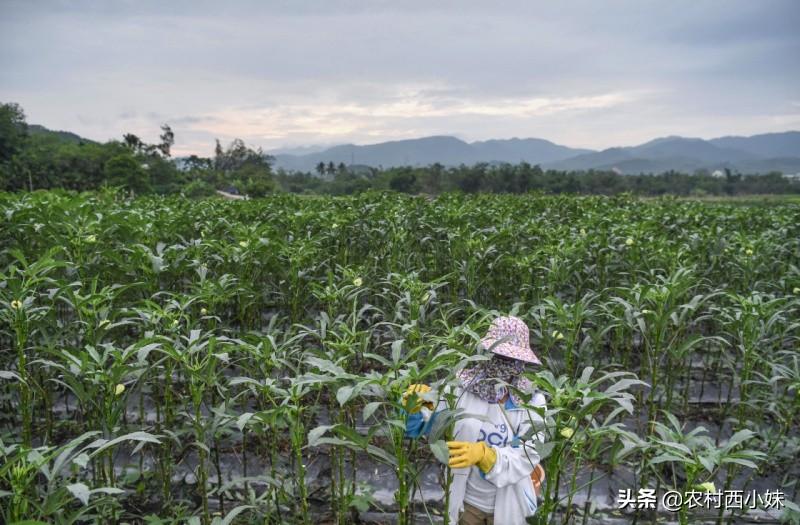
(718, 174)
(794, 177)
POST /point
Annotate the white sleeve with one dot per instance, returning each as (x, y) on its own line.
(517, 461)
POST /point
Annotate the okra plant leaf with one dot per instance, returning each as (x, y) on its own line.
(230, 516)
(370, 409)
(315, 434)
(344, 394)
(102, 444)
(440, 451)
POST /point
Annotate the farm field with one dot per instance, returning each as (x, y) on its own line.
(166, 360)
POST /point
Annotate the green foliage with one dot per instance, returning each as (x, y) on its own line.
(126, 172)
(33, 158)
(40, 480)
(262, 346)
(244, 168)
(198, 189)
(524, 178)
(13, 131)
(403, 181)
(48, 159)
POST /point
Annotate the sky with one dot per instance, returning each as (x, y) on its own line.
(281, 74)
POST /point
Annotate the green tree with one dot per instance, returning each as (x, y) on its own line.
(193, 162)
(134, 143)
(257, 180)
(127, 172)
(13, 130)
(13, 138)
(198, 188)
(248, 169)
(404, 181)
(167, 140)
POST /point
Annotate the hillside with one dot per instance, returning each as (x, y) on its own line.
(756, 154)
(446, 150)
(61, 136)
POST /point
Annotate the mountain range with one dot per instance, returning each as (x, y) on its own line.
(754, 154)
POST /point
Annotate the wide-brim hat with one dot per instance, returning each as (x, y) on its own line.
(508, 336)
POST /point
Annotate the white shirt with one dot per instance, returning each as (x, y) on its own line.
(495, 432)
(514, 499)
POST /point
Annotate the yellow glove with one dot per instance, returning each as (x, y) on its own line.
(416, 389)
(464, 454)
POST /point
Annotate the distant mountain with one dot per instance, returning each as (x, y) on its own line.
(768, 145)
(534, 151)
(764, 153)
(679, 147)
(297, 150)
(756, 154)
(606, 158)
(445, 150)
(782, 164)
(63, 136)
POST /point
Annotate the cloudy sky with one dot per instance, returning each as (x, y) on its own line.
(581, 73)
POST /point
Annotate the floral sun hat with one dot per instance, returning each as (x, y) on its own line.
(508, 337)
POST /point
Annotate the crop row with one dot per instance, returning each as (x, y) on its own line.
(142, 338)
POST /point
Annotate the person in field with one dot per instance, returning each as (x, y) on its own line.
(493, 458)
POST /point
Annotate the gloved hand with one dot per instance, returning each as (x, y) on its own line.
(464, 454)
(416, 389)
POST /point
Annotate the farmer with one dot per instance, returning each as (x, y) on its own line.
(494, 462)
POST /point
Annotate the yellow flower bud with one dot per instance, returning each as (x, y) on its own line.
(16, 305)
(796, 290)
(583, 232)
(243, 244)
(358, 281)
(120, 388)
(557, 335)
(91, 239)
(708, 486)
(629, 241)
(203, 311)
(567, 432)
(749, 251)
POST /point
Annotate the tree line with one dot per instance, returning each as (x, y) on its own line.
(32, 158)
(524, 177)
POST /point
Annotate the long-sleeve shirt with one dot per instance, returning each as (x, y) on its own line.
(514, 497)
(495, 432)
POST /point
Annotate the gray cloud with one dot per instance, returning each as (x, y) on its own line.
(285, 73)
